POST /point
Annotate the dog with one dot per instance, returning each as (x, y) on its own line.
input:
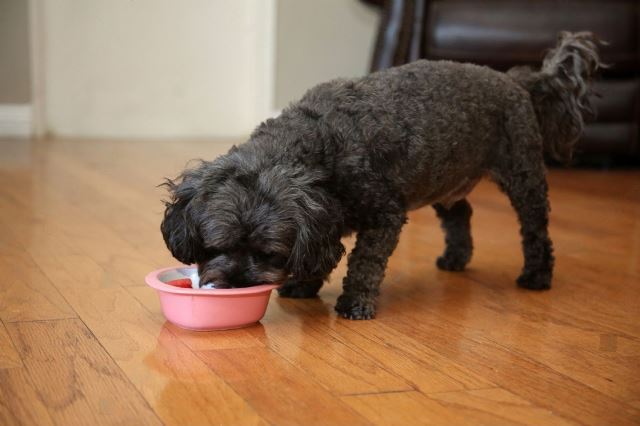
(354, 155)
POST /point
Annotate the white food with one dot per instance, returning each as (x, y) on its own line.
(192, 274)
(195, 279)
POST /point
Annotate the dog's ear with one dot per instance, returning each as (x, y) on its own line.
(317, 248)
(180, 226)
(179, 229)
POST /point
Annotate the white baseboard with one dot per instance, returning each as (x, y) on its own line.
(15, 120)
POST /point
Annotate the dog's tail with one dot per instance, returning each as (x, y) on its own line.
(560, 90)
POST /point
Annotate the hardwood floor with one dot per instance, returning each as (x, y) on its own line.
(83, 340)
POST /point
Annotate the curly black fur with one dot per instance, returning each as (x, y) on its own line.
(561, 91)
(356, 155)
(456, 223)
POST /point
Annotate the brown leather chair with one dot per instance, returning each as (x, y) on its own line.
(504, 33)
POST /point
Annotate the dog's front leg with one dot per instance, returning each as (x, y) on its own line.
(366, 266)
(301, 289)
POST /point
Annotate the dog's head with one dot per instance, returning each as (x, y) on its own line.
(244, 224)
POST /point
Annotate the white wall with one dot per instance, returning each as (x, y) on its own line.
(156, 68)
(318, 40)
(188, 68)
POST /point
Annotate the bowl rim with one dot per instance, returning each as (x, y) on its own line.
(153, 281)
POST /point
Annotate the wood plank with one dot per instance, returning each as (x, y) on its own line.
(335, 363)
(502, 404)
(26, 293)
(148, 298)
(414, 408)
(281, 393)
(583, 278)
(20, 401)
(77, 381)
(524, 377)
(423, 368)
(407, 408)
(121, 210)
(86, 216)
(9, 357)
(567, 344)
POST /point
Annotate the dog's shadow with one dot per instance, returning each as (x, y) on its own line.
(425, 291)
(309, 309)
(405, 292)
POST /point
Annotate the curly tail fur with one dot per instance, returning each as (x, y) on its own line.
(560, 90)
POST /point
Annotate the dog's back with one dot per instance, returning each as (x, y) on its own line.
(428, 125)
(433, 128)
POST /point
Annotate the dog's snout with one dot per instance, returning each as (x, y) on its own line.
(235, 274)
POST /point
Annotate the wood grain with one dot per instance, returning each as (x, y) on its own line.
(481, 407)
(76, 380)
(79, 230)
(284, 394)
(521, 375)
(9, 357)
(333, 362)
(20, 402)
(26, 293)
(423, 368)
(500, 403)
(573, 346)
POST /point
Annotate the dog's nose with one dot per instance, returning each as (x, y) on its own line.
(235, 275)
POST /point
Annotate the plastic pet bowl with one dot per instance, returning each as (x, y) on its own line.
(208, 309)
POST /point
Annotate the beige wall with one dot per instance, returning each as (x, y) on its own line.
(149, 68)
(321, 40)
(189, 68)
(15, 83)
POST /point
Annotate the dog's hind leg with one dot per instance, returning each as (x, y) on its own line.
(456, 223)
(520, 173)
(528, 195)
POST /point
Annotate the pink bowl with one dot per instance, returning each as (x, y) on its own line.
(208, 309)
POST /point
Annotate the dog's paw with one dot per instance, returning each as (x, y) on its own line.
(294, 291)
(540, 280)
(452, 262)
(355, 308)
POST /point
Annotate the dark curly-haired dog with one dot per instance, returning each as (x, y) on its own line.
(355, 155)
